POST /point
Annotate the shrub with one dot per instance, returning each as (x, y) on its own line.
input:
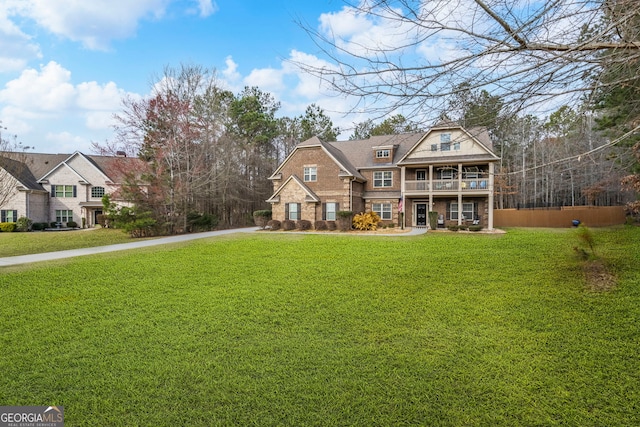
(102, 220)
(72, 224)
(433, 219)
(7, 227)
(344, 220)
(392, 225)
(23, 224)
(331, 225)
(201, 221)
(463, 227)
(303, 225)
(274, 224)
(452, 227)
(320, 225)
(475, 227)
(54, 224)
(39, 226)
(366, 221)
(288, 224)
(261, 217)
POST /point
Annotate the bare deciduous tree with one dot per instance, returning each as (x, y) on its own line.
(533, 55)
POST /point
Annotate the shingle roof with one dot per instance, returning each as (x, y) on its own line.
(358, 152)
(29, 168)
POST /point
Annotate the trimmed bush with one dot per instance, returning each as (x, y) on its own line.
(54, 224)
(463, 227)
(475, 227)
(433, 219)
(39, 226)
(332, 226)
(7, 227)
(344, 220)
(452, 227)
(72, 224)
(23, 224)
(320, 225)
(303, 225)
(262, 217)
(274, 224)
(288, 224)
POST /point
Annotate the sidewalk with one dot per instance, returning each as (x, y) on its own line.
(48, 256)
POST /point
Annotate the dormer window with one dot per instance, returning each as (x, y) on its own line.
(380, 154)
(445, 142)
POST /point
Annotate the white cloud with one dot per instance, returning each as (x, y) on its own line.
(16, 47)
(267, 79)
(207, 8)
(45, 90)
(231, 73)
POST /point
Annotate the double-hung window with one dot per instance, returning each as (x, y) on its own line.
(382, 209)
(64, 215)
(330, 210)
(445, 142)
(310, 173)
(383, 179)
(468, 211)
(292, 211)
(63, 191)
(8, 215)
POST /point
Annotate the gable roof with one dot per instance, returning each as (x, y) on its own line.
(346, 167)
(310, 197)
(359, 152)
(30, 169)
(479, 135)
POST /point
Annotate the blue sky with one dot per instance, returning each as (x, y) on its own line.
(66, 64)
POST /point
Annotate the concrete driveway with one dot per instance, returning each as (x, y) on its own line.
(48, 256)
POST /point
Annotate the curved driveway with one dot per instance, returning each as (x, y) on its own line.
(48, 256)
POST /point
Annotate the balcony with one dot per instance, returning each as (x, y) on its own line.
(447, 186)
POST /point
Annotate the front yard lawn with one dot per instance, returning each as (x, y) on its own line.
(443, 329)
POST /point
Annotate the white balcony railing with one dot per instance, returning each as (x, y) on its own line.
(447, 185)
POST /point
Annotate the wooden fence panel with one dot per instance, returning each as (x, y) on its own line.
(592, 216)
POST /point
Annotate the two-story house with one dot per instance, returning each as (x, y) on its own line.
(448, 169)
(57, 187)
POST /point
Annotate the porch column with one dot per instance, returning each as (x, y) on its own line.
(459, 193)
(490, 199)
(403, 172)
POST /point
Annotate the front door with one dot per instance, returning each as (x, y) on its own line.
(421, 214)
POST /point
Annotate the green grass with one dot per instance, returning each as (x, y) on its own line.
(278, 329)
(13, 244)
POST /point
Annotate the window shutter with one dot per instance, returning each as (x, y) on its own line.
(75, 193)
(286, 211)
(324, 211)
(3, 216)
(448, 210)
(53, 191)
(337, 208)
(299, 211)
(15, 215)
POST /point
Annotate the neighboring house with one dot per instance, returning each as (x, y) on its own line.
(56, 187)
(449, 170)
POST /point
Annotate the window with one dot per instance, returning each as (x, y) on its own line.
(382, 153)
(383, 210)
(456, 146)
(383, 179)
(330, 210)
(446, 173)
(468, 211)
(97, 192)
(63, 191)
(421, 175)
(445, 137)
(64, 215)
(310, 173)
(445, 146)
(292, 211)
(8, 215)
(434, 147)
